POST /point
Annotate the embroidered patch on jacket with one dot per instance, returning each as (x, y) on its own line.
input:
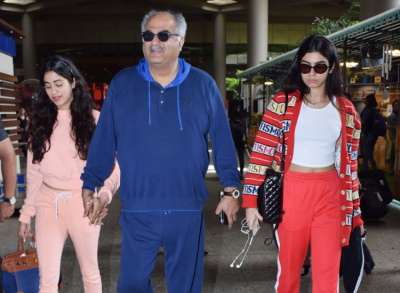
(277, 108)
(349, 219)
(279, 148)
(270, 129)
(250, 189)
(263, 149)
(348, 170)
(349, 147)
(292, 101)
(349, 120)
(357, 133)
(355, 195)
(356, 212)
(256, 169)
(349, 195)
(286, 125)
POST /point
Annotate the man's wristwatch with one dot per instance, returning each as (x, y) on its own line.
(11, 200)
(235, 193)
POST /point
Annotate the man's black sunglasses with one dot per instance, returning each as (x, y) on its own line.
(163, 36)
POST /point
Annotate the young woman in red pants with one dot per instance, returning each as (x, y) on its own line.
(320, 201)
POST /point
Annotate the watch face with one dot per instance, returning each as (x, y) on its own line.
(236, 193)
(11, 200)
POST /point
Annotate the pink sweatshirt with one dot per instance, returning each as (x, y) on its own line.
(60, 168)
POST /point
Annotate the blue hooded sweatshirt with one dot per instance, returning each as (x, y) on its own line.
(159, 136)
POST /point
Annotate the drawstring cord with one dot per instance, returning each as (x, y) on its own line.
(178, 108)
(60, 196)
(149, 101)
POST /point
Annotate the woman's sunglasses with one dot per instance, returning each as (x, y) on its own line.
(163, 36)
(319, 68)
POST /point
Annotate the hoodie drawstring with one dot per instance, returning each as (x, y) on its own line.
(60, 196)
(149, 101)
(178, 108)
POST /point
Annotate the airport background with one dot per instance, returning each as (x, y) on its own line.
(247, 46)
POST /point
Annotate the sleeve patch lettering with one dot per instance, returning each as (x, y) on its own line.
(286, 125)
(263, 149)
(349, 195)
(277, 108)
(256, 169)
(357, 133)
(270, 129)
(250, 189)
(355, 195)
(349, 121)
(349, 219)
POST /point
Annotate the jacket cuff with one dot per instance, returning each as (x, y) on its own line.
(249, 201)
(25, 219)
(87, 185)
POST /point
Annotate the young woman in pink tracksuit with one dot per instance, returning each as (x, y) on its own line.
(62, 125)
(320, 193)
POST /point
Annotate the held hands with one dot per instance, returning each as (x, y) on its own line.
(95, 208)
(6, 210)
(230, 206)
(253, 219)
(100, 209)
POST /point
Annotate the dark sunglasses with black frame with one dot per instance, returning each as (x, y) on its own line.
(163, 36)
(319, 68)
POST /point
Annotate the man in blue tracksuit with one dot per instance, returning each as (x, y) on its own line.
(156, 121)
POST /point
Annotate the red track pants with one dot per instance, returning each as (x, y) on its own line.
(311, 216)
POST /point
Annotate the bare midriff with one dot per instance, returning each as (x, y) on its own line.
(304, 169)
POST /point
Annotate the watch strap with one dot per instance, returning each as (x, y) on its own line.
(11, 200)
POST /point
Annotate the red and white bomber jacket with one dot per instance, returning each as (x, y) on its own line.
(266, 153)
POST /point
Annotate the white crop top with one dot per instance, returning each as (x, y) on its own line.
(317, 131)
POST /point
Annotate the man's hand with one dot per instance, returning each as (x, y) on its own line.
(24, 231)
(230, 206)
(99, 209)
(6, 210)
(88, 200)
(253, 218)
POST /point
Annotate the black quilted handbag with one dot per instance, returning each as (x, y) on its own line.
(270, 197)
(270, 193)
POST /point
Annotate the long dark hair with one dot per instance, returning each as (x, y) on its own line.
(370, 101)
(44, 114)
(320, 44)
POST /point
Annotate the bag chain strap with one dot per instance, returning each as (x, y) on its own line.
(282, 163)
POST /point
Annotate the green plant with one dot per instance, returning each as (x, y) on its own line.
(325, 26)
(232, 84)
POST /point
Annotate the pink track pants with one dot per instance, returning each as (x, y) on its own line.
(311, 216)
(59, 215)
